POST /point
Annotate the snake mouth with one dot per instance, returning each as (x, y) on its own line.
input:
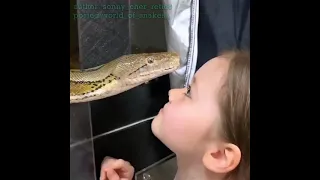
(162, 71)
(145, 74)
(139, 69)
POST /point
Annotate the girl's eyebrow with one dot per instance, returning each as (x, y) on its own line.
(193, 80)
(194, 87)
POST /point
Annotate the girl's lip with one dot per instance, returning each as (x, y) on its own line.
(162, 109)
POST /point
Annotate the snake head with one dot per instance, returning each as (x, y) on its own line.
(148, 66)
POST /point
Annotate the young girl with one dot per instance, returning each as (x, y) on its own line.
(207, 124)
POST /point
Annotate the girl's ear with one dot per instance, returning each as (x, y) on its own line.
(222, 159)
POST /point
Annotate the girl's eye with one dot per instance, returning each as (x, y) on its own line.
(188, 91)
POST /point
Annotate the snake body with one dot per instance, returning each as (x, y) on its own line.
(120, 75)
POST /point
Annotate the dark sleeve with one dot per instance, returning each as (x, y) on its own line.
(223, 25)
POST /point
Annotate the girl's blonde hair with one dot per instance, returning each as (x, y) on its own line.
(235, 110)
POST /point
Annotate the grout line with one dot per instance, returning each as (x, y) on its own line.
(79, 142)
(112, 131)
(123, 127)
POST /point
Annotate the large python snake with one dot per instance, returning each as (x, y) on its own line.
(120, 75)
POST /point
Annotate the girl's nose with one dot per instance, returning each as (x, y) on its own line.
(176, 93)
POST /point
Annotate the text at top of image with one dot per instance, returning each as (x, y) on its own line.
(123, 7)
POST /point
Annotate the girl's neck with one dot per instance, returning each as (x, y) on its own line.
(193, 169)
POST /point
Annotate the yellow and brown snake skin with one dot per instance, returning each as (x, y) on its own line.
(120, 75)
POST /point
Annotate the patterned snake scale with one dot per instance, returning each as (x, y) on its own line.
(120, 75)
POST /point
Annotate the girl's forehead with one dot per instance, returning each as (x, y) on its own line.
(213, 70)
(211, 76)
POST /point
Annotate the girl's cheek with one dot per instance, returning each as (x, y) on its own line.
(172, 112)
(175, 118)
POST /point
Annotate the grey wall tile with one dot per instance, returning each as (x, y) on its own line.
(147, 32)
(102, 39)
(82, 165)
(80, 125)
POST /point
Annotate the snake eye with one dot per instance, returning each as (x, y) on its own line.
(150, 61)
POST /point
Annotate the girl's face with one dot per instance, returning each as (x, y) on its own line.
(189, 121)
